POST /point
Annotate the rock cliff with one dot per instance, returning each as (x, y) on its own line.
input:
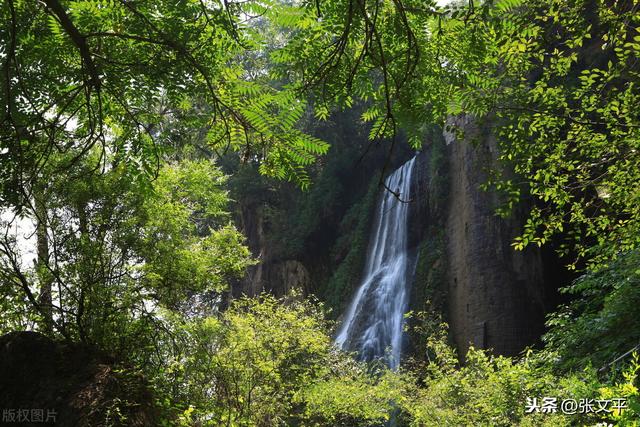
(495, 294)
(492, 296)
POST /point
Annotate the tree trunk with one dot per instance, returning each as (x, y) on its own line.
(42, 261)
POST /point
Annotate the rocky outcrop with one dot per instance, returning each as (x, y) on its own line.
(278, 277)
(428, 294)
(253, 226)
(44, 382)
(495, 294)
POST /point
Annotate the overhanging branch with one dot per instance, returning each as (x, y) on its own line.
(78, 39)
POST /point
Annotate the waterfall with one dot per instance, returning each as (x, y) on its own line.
(374, 321)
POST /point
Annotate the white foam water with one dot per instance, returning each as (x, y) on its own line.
(373, 323)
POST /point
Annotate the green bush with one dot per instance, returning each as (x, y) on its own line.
(269, 362)
(265, 362)
(602, 321)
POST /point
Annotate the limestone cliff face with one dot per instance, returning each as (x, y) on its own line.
(494, 294)
(491, 295)
(278, 277)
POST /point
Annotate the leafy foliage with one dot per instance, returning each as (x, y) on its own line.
(254, 364)
(601, 322)
(189, 245)
(626, 389)
(245, 367)
(559, 79)
(271, 362)
(116, 250)
(116, 74)
(572, 130)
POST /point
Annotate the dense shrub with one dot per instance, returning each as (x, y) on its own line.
(602, 321)
(269, 362)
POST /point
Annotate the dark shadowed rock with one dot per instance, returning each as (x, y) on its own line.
(495, 294)
(70, 383)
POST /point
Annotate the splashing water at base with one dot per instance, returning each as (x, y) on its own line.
(374, 321)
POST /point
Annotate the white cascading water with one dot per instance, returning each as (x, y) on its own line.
(374, 321)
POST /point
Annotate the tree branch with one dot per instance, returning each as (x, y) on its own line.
(78, 39)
